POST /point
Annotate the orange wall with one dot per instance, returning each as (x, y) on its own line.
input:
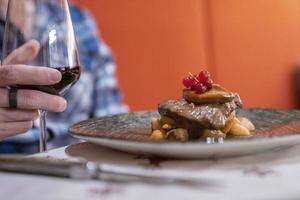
(249, 46)
(256, 45)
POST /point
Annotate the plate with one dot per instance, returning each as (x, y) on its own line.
(276, 129)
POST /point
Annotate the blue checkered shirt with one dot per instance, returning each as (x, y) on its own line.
(96, 93)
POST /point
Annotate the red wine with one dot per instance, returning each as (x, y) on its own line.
(69, 77)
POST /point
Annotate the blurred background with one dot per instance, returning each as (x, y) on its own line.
(250, 47)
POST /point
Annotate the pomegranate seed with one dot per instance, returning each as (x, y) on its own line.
(199, 87)
(194, 80)
(199, 83)
(203, 76)
(188, 82)
(208, 83)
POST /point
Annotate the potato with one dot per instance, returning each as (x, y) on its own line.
(230, 122)
(213, 133)
(239, 130)
(178, 134)
(157, 135)
(247, 123)
(156, 124)
(167, 127)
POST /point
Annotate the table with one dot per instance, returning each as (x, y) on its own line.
(270, 175)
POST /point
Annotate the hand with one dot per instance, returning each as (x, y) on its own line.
(17, 121)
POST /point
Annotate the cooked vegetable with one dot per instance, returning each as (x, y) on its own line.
(157, 135)
(239, 130)
(178, 134)
(155, 124)
(247, 123)
(229, 124)
(213, 133)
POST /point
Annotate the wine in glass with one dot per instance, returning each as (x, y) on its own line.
(28, 20)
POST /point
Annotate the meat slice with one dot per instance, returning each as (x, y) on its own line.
(191, 116)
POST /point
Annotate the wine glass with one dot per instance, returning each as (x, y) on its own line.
(27, 20)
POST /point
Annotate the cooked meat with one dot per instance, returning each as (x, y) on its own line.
(191, 116)
(216, 95)
(237, 100)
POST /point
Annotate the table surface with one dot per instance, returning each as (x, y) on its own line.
(269, 175)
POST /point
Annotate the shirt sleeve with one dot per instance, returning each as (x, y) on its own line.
(28, 137)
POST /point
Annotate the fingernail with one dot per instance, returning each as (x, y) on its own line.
(63, 105)
(54, 76)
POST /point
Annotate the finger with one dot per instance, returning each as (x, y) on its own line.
(14, 128)
(34, 100)
(23, 54)
(8, 115)
(28, 75)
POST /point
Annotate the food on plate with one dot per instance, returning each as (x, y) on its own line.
(206, 110)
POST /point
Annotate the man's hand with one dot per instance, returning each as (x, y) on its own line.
(14, 71)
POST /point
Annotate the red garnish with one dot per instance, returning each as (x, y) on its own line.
(199, 83)
(208, 84)
(188, 82)
(199, 87)
(204, 77)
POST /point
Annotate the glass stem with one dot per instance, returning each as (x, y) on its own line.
(43, 132)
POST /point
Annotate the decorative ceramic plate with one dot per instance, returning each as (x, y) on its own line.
(130, 133)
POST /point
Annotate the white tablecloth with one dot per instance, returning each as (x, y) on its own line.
(271, 175)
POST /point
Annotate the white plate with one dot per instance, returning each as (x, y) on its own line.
(196, 150)
(120, 132)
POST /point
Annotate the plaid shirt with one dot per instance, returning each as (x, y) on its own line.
(96, 93)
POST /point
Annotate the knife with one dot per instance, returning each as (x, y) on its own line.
(92, 170)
